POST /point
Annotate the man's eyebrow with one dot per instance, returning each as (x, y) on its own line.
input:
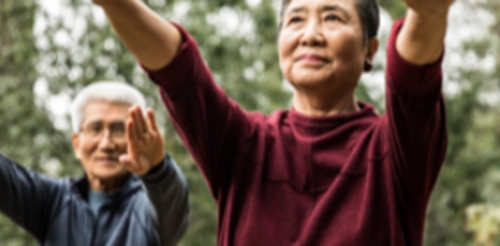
(94, 122)
(118, 123)
(295, 10)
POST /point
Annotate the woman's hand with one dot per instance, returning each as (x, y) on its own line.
(152, 40)
(421, 40)
(145, 142)
(430, 8)
(105, 2)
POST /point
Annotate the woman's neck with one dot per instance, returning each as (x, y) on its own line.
(323, 104)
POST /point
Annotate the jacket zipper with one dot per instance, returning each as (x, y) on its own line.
(94, 227)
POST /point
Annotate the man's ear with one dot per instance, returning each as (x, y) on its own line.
(75, 141)
(371, 48)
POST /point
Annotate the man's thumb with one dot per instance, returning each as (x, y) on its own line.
(126, 161)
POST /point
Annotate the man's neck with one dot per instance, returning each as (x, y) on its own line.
(107, 186)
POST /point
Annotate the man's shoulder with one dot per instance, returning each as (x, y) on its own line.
(141, 201)
(142, 209)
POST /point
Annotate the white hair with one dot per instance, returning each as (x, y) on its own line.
(107, 91)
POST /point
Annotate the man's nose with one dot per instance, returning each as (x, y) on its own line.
(106, 142)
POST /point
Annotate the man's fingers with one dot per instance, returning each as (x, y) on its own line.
(134, 166)
(139, 119)
(131, 131)
(152, 120)
(128, 163)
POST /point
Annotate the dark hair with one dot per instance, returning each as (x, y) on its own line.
(368, 13)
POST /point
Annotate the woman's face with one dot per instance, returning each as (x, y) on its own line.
(321, 45)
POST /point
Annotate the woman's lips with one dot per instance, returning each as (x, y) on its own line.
(311, 58)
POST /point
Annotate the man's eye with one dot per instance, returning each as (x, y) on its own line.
(119, 130)
(295, 19)
(95, 129)
(92, 129)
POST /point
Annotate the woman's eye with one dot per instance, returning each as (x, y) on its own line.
(332, 18)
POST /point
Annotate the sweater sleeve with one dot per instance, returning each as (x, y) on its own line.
(28, 198)
(416, 122)
(208, 122)
(168, 191)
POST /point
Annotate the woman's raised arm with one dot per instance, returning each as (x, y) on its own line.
(421, 40)
(152, 40)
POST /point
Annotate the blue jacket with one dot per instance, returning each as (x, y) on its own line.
(151, 210)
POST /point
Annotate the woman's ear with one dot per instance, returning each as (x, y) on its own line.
(371, 49)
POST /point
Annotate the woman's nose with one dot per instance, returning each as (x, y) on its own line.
(313, 35)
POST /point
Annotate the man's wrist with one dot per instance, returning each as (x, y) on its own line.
(158, 160)
(156, 167)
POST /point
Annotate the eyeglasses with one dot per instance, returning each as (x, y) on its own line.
(97, 130)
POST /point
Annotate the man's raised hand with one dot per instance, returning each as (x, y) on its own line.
(145, 142)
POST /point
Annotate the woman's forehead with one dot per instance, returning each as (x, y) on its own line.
(306, 5)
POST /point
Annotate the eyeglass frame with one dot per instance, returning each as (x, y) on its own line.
(116, 135)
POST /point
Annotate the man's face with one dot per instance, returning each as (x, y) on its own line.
(102, 139)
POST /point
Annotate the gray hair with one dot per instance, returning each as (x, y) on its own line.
(107, 91)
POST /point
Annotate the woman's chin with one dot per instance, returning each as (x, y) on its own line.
(310, 77)
(310, 82)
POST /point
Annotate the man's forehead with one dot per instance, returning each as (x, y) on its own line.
(104, 122)
(105, 111)
(102, 103)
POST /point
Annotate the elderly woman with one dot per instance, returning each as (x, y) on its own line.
(329, 171)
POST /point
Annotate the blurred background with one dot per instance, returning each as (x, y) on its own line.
(50, 49)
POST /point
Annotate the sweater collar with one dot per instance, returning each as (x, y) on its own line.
(315, 125)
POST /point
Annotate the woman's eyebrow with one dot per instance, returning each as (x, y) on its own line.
(325, 8)
(335, 7)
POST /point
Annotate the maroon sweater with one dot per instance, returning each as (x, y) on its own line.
(291, 179)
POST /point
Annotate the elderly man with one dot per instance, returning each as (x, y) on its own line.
(131, 194)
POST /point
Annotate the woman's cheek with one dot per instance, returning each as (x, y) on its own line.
(284, 65)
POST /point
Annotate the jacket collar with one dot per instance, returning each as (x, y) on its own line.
(132, 185)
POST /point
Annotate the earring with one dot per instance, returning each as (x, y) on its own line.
(368, 66)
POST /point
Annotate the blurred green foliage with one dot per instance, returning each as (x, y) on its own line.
(26, 132)
(79, 47)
